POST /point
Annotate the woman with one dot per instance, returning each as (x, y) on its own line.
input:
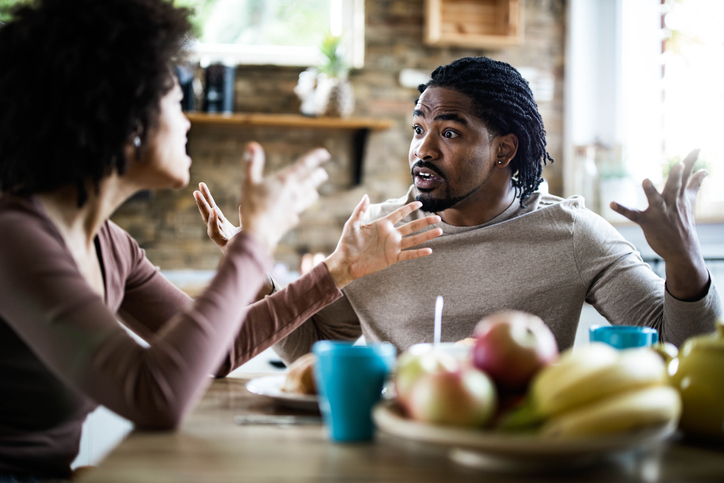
(89, 115)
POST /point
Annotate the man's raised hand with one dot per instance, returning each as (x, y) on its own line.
(670, 229)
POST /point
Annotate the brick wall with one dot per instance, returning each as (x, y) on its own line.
(168, 225)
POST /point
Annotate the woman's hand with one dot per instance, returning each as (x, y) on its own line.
(365, 249)
(219, 229)
(669, 227)
(271, 206)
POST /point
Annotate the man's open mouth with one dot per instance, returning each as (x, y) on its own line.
(426, 179)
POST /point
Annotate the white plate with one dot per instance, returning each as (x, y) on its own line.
(513, 453)
(271, 386)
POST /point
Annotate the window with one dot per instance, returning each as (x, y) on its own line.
(693, 93)
(280, 32)
(645, 85)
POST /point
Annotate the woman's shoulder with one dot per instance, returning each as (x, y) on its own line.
(22, 218)
(118, 243)
(12, 207)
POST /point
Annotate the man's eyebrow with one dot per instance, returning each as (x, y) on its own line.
(451, 117)
(443, 117)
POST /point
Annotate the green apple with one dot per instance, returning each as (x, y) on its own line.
(466, 397)
(416, 362)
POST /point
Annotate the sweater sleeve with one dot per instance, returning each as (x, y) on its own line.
(49, 305)
(337, 321)
(626, 291)
(277, 315)
(149, 299)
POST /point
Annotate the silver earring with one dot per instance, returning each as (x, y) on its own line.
(137, 141)
(500, 162)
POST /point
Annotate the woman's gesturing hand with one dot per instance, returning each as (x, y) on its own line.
(270, 206)
(367, 248)
(219, 229)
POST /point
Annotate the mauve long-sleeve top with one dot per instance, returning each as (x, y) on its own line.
(63, 351)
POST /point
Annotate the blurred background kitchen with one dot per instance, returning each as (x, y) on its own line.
(626, 89)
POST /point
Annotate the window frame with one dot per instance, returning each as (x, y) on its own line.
(352, 24)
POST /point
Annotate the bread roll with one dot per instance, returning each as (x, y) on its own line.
(466, 342)
(300, 378)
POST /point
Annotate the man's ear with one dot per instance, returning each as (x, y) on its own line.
(506, 147)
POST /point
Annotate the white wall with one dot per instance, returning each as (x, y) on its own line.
(613, 84)
(592, 85)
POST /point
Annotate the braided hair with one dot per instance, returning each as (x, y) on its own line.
(503, 100)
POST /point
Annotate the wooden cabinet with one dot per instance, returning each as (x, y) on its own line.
(486, 24)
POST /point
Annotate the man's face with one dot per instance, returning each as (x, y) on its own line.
(451, 153)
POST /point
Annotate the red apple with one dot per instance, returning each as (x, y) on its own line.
(466, 398)
(416, 362)
(511, 347)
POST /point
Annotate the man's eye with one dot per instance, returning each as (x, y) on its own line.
(417, 129)
(450, 134)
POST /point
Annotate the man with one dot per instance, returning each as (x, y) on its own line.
(476, 159)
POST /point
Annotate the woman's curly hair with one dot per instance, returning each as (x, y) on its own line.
(79, 80)
(503, 100)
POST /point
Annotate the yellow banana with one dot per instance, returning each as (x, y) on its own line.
(591, 373)
(619, 413)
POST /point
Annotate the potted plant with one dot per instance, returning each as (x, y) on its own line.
(335, 97)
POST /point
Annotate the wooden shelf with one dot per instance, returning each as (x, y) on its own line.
(473, 23)
(361, 125)
(289, 120)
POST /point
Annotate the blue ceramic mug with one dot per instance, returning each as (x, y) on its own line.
(349, 381)
(624, 336)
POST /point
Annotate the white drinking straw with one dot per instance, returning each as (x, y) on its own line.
(438, 319)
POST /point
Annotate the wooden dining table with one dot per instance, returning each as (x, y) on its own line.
(210, 446)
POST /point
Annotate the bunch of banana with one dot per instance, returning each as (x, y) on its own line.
(598, 390)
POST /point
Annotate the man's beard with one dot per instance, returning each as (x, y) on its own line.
(436, 205)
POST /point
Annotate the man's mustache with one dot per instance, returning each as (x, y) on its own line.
(428, 165)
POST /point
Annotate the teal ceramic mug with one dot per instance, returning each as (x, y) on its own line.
(350, 379)
(624, 336)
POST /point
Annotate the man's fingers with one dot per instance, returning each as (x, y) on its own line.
(414, 240)
(672, 187)
(403, 211)
(417, 225)
(696, 180)
(632, 215)
(689, 163)
(655, 199)
(203, 206)
(254, 158)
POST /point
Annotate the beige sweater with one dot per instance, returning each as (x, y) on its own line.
(547, 258)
